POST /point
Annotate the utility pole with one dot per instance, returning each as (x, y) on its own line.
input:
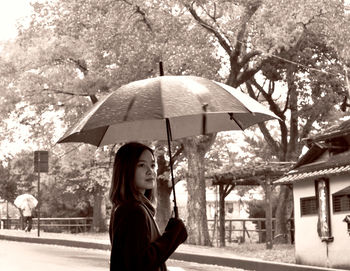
(41, 164)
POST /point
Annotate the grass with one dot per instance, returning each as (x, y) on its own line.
(279, 253)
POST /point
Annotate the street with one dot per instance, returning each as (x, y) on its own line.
(19, 256)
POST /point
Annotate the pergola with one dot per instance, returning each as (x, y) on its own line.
(262, 174)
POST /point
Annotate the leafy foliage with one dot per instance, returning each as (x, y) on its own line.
(290, 55)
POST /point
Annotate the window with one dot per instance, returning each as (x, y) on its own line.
(308, 206)
(341, 200)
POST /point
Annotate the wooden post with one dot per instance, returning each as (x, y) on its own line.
(268, 212)
(39, 200)
(244, 229)
(260, 232)
(222, 214)
(230, 232)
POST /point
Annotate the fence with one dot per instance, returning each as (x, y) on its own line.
(237, 230)
(70, 224)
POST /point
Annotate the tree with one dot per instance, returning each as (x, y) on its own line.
(7, 187)
(86, 180)
(17, 176)
(75, 50)
(258, 37)
(83, 50)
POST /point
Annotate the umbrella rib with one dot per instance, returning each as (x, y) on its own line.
(99, 143)
(232, 118)
(204, 119)
(131, 103)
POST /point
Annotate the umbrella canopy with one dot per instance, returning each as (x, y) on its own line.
(166, 108)
(191, 106)
(26, 201)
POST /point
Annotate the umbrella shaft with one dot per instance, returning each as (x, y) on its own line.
(168, 130)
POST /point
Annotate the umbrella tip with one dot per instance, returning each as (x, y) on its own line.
(161, 71)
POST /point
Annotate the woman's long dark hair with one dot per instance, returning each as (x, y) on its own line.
(123, 186)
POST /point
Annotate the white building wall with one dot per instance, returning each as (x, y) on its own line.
(306, 236)
(339, 250)
(309, 249)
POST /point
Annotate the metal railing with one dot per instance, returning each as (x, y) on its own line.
(62, 224)
(237, 230)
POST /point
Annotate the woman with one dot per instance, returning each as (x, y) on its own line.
(136, 241)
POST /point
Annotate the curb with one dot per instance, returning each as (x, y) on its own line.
(234, 262)
(52, 241)
(246, 264)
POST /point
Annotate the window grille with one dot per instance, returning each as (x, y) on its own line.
(341, 203)
(308, 206)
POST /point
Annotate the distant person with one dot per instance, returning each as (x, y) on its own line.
(27, 218)
(135, 238)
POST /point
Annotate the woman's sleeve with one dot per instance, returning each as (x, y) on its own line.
(131, 245)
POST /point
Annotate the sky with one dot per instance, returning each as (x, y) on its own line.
(10, 12)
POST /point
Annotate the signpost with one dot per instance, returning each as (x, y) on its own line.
(41, 164)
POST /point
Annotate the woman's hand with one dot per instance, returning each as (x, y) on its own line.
(177, 228)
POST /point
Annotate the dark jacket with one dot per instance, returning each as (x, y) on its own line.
(136, 241)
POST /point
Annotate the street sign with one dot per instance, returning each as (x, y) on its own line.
(41, 161)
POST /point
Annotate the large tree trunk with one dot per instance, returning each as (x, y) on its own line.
(163, 203)
(283, 214)
(163, 189)
(197, 226)
(222, 216)
(283, 211)
(99, 211)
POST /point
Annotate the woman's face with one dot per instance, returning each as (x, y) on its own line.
(145, 172)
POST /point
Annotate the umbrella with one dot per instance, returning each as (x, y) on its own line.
(166, 108)
(26, 200)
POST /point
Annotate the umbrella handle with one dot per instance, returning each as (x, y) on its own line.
(176, 212)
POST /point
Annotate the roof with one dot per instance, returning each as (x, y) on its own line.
(254, 174)
(334, 131)
(314, 152)
(329, 155)
(316, 174)
(330, 166)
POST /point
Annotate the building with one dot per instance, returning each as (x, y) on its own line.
(321, 192)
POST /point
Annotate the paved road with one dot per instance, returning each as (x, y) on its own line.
(19, 256)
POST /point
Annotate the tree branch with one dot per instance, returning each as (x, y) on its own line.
(247, 57)
(221, 38)
(275, 109)
(249, 12)
(269, 139)
(245, 76)
(80, 64)
(141, 12)
(268, 97)
(57, 91)
(176, 155)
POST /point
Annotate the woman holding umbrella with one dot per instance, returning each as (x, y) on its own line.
(136, 241)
